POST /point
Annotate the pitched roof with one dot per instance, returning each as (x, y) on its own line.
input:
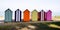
(49, 11)
(18, 10)
(42, 11)
(8, 10)
(26, 10)
(34, 10)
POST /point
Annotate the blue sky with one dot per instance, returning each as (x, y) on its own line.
(53, 5)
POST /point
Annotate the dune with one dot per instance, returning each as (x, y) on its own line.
(56, 18)
(1, 18)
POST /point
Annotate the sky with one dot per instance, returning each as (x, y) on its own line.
(53, 5)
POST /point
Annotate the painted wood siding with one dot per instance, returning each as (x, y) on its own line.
(45, 16)
(17, 15)
(42, 15)
(34, 15)
(39, 16)
(8, 15)
(26, 15)
(49, 15)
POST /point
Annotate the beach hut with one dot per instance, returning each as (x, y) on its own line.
(49, 15)
(8, 15)
(18, 15)
(42, 15)
(34, 15)
(39, 16)
(26, 15)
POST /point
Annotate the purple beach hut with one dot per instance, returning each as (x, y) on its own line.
(17, 15)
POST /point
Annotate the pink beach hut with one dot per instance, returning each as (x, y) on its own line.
(43, 15)
(49, 15)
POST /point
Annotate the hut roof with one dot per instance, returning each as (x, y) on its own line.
(8, 10)
(34, 10)
(49, 11)
(18, 10)
(27, 10)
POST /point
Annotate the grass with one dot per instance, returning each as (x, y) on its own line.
(8, 27)
(40, 26)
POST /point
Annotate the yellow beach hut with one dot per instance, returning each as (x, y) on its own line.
(34, 15)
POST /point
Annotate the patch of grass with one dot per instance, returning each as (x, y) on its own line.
(40, 26)
(7, 27)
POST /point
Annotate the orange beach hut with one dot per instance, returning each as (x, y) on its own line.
(26, 15)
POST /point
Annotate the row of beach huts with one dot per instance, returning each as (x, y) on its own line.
(35, 15)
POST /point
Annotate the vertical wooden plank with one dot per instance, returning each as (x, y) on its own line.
(26, 15)
(20, 15)
(8, 15)
(39, 16)
(34, 15)
(45, 16)
(15, 16)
